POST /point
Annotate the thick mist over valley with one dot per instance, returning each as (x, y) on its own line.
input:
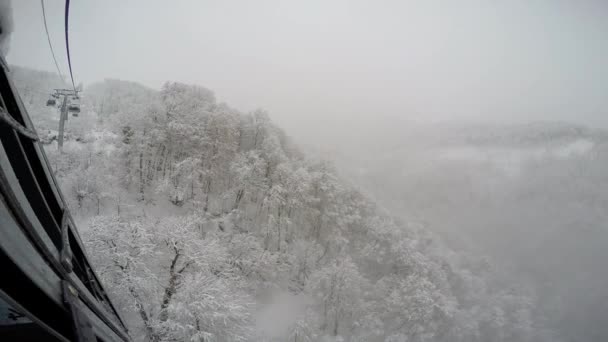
(334, 171)
(530, 196)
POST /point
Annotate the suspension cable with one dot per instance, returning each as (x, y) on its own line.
(50, 44)
(67, 42)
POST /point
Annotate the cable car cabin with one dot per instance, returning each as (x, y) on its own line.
(49, 290)
(74, 109)
(51, 102)
(74, 106)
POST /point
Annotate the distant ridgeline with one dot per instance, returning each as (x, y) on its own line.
(517, 135)
(197, 214)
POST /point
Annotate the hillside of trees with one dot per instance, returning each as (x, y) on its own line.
(207, 224)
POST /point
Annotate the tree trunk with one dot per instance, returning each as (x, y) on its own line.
(336, 323)
(158, 165)
(141, 176)
(207, 190)
(239, 197)
(170, 289)
(166, 161)
(279, 228)
(150, 334)
(192, 184)
(149, 170)
(324, 323)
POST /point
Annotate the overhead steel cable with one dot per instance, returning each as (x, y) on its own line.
(49, 39)
(67, 42)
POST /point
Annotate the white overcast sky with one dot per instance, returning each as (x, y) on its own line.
(313, 61)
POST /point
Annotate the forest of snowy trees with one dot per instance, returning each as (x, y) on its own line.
(200, 218)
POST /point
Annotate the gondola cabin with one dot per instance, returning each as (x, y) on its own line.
(74, 109)
(74, 106)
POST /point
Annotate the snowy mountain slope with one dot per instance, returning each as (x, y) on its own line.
(199, 217)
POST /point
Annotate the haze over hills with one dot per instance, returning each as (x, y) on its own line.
(421, 171)
(209, 223)
(531, 196)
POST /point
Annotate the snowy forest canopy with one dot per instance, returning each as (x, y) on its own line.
(207, 224)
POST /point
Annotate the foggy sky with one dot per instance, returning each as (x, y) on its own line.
(316, 63)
